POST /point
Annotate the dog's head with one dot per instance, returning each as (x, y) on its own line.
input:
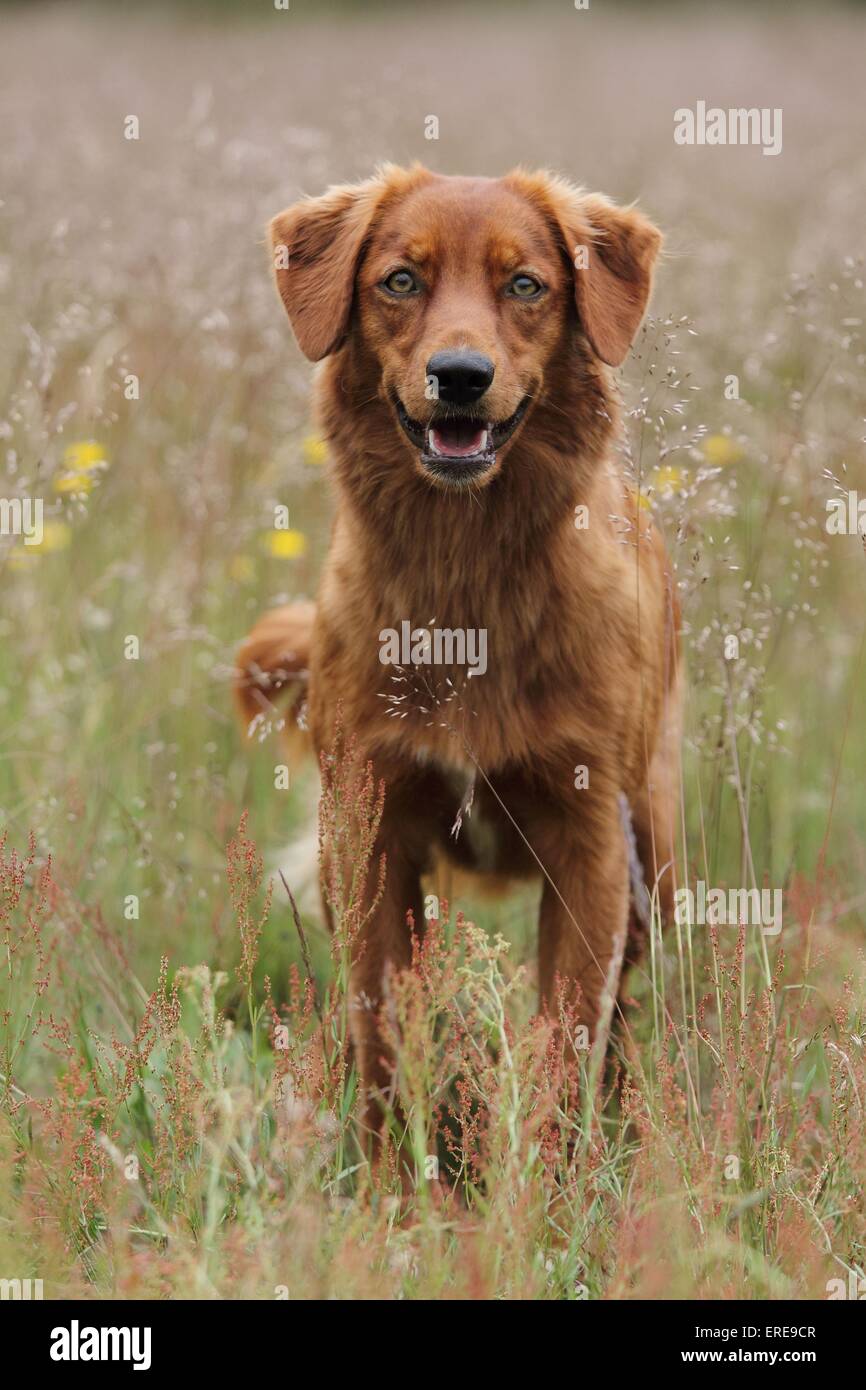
(467, 296)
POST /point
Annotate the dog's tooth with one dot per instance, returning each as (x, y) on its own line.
(483, 445)
(431, 443)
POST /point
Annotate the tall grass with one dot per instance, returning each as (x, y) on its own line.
(190, 1146)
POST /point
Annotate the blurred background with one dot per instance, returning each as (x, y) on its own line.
(142, 260)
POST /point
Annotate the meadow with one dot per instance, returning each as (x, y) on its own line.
(178, 1110)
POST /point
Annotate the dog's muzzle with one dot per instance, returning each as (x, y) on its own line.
(458, 446)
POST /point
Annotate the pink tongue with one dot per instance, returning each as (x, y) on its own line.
(456, 442)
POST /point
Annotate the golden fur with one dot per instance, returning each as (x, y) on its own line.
(581, 623)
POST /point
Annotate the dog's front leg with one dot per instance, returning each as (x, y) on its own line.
(379, 938)
(584, 905)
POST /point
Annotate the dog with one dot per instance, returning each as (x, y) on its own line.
(466, 330)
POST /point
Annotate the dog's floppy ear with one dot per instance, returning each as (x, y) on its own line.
(316, 245)
(612, 252)
(613, 279)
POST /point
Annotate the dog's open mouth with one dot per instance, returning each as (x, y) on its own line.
(459, 446)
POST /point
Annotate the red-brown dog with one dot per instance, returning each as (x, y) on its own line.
(485, 544)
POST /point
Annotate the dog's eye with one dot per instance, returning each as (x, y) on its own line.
(400, 282)
(525, 287)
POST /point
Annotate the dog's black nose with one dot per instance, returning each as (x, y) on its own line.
(459, 377)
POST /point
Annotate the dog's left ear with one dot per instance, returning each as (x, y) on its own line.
(613, 253)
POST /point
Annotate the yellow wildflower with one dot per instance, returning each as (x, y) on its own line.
(314, 450)
(720, 449)
(73, 482)
(56, 535)
(284, 545)
(81, 457)
(667, 478)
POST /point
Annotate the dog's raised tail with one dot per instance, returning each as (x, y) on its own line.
(273, 666)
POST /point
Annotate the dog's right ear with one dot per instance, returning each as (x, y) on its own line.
(316, 246)
(612, 252)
